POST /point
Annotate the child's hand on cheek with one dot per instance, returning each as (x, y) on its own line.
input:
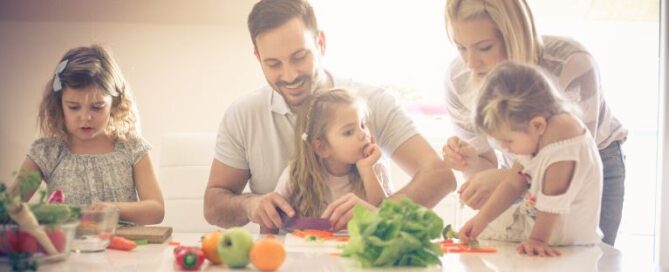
(371, 155)
(533, 247)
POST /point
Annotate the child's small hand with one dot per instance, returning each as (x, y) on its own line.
(471, 230)
(533, 247)
(371, 154)
(456, 152)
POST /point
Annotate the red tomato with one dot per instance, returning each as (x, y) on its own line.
(57, 237)
(9, 241)
(27, 243)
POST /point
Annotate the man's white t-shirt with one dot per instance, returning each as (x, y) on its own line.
(257, 131)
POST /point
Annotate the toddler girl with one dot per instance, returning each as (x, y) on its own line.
(557, 166)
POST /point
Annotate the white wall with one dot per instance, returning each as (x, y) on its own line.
(184, 71)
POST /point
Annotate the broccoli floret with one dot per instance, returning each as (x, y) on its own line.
(449, 233)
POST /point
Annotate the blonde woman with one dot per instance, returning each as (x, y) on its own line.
(91, 149)
(487, 32)
(336, 157)
(557, 167)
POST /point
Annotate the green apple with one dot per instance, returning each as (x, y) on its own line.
(234, 247)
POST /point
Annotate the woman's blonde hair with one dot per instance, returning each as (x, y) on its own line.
(307, 188)
(86, 67)
(512, 19)
(513, 94)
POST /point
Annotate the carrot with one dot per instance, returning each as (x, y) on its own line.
(299, 233)
(120, 243)
(341, 239)
(448, 246)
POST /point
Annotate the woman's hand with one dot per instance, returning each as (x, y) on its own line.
(534, 247)
(457, 152)
(371, 154)
(340, 211)
(476, 191)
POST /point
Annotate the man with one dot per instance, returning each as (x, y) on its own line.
(290, 48)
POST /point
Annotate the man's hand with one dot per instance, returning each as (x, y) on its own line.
(340, 211)
(476, 191)
(457, 152)
(263, 210)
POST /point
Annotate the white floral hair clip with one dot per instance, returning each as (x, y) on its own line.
(304, 136)
(57, 85)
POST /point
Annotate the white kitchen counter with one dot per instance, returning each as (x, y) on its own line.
(159, 257)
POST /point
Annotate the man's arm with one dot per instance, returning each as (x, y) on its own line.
(432, 178)
(224, 203)
(226, 206)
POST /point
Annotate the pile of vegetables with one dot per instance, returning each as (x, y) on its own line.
(19, 243)
(53, 213)
(399, 234)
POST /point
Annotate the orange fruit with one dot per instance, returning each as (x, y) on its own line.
(267, 254)
(209, 244)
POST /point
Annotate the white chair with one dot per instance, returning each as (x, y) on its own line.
(184, 166)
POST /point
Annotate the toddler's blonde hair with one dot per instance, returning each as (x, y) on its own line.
(513, 94)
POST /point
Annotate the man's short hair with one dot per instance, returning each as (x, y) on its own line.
(270, 14)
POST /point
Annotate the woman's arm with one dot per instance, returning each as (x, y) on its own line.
(150, 209)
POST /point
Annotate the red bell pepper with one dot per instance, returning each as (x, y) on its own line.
(189, 258)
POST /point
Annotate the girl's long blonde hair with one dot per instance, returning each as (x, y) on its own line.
(515, 93)
(307, 188)
(87, 67)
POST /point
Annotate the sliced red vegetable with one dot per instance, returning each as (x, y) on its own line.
(55, 197)
(319, 235)
(448, 246)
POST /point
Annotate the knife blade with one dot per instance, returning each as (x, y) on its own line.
(303, 222)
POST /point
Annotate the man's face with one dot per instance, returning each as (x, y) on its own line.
(290, 56)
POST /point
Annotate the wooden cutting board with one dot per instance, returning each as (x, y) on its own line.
(153, 234)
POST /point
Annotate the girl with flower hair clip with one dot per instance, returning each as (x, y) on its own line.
(336, 156)
(91, 149)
